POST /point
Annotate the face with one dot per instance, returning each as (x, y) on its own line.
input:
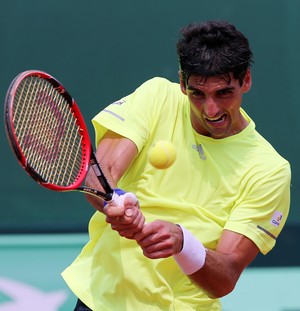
(215, 105)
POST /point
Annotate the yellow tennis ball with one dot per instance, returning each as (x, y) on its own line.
(162, 154)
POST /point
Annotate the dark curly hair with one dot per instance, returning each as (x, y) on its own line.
(213, 48)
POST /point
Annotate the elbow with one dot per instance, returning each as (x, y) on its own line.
(221, 288)
(220, 292)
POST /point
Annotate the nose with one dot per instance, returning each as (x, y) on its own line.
(211, 108)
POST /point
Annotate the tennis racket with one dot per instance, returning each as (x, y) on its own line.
(49, 137)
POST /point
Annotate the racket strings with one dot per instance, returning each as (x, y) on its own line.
(72, 143)
(47, 132)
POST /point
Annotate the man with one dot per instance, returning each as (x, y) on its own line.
(199, 223)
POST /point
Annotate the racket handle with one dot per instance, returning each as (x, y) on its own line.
(116, 204)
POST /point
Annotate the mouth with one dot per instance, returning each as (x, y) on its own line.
(217, 120)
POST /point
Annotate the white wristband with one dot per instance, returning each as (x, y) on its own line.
(192, 256)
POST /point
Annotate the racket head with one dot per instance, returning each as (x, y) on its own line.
(46, 131)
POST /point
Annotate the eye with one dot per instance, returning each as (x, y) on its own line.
(225, 92)
(197, 94)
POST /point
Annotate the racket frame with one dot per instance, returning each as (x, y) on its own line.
(88, 155)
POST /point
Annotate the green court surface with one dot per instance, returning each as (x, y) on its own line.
(30, 267)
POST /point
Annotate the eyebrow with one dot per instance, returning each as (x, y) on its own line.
(191, 88)
(226, 88)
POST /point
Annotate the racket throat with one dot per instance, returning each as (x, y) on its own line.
(102, 179)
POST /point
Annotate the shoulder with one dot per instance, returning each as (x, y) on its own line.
(159, 92)
(266, 163)
(261, 150)
(268, 151)
(159, 84)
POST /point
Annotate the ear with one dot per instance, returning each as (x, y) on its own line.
(247, 83)
(182, 83)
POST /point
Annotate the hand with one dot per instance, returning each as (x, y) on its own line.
(115, 207)
(160, 239)
(125, 216)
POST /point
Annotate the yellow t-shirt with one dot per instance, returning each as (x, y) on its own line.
(239, 183)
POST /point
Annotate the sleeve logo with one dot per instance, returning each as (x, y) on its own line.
(276, 219)
(119, 102)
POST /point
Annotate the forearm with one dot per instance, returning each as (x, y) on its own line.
(218, 276)
(208, 269)
(216, 271)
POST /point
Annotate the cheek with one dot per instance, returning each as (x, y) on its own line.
(232, 103)
(196, 110)
(196, 104)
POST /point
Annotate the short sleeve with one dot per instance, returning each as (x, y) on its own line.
(262, 211)
(134, 115)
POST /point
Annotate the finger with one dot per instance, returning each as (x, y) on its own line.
(130, 202)
(136, 221)
(115, 207)
(144, 236)
(130, 198)
(129, 212)
(158, 254)
(114, 210)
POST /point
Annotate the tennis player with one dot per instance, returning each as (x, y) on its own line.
(202, 221)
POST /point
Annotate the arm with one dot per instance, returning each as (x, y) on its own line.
(222, 267)
(115, 154)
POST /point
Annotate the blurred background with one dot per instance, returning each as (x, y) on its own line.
(101, 51)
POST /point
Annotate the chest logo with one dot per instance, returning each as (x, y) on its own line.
(200, 150)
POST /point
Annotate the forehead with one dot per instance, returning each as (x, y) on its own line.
(215, 82)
